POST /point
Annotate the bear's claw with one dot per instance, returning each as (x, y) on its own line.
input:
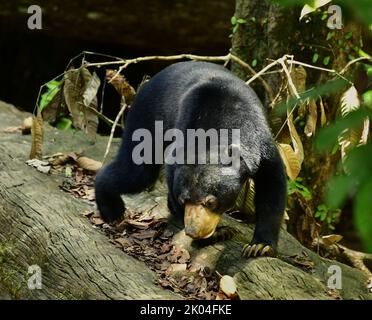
(258, 250)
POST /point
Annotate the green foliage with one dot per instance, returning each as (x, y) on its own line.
(326, 60)
(327, 215)
(326, 89)
(362, 8)
(315, 57)
(64, 124)
(52, 89)
(235, 23)
(254, 63)
(297, 186)
(358, 180)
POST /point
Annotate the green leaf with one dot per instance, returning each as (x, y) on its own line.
(363, 214)
(241, 21)
(326, 60)
(254, 63)
(348, 35)
(64, 124)
(315, 57)
(367, 98)
(47, 97)
(234, 20)
(235, 28)
(329, 35)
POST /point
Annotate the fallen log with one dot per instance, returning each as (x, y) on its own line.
(43, 226)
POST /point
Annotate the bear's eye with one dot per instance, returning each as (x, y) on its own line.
(210, 202)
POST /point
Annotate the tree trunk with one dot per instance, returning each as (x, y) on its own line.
(40, 225)
(270, 32)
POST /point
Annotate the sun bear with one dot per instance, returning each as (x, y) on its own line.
(201, 98)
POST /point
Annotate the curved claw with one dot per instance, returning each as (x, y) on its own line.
(257, 250)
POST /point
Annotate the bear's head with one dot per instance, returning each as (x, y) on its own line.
(206, 191)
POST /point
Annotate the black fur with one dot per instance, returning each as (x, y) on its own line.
(192, 95)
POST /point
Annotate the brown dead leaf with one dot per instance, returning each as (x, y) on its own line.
(145, 234)
(13, 130)
(37, 132)
(89, 164)
(331, 239)
(124, 242)
(312, 117)
(176, 267)
(97, 221)
(121, 85)
(304, 262)
(184, 257)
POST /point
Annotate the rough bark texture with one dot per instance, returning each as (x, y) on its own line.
(39, 224)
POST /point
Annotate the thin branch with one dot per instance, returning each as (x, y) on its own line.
(339, 74)
(252, 71)
(290, 80)
(354, 61)
(261, 72)
(124, 107)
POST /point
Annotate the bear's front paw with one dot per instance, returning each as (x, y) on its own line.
(258, 250)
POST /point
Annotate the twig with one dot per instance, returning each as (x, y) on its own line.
(354, 61)
(251, 70)
(339, 74)
(226, 59)
(260, 73)
(113, 131)
(102, 116)
(290, 81)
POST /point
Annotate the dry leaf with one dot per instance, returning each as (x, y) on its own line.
(97, 221)
(52, 111)
(228, 287)
(13, 130)
(331, 239)
(349, 101)
(121, 85)
(312, 117)
(37, 131)
(323, 118)
(292, 165)
(176, 267)
(304, 262)
(89, 164)
(90, 102)
(296, 140)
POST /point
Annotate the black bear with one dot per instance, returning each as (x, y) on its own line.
(200, 96)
